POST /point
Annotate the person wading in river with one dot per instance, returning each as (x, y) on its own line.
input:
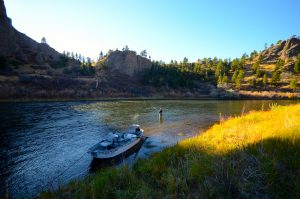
(160, 116)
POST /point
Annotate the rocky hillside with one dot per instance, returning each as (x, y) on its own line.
(271, 72)
(284, 50)
(29, 69)
(16, 47)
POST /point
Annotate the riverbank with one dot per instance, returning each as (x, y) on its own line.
(244, 96)
(252, 156)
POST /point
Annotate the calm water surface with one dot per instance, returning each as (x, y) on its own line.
(45, 144)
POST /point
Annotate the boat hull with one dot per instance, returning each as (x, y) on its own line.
(123, 154)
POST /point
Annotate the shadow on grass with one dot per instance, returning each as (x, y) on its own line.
(267, 169)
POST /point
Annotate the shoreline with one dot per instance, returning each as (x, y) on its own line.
(28, 100)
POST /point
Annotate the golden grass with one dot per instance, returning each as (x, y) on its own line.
(236, 133)
(270, 94)
(268, 67)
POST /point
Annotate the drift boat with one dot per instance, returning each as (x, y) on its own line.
(118, 145)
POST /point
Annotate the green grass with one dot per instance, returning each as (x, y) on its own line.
(252, 156)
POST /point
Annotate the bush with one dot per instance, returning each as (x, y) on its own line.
(293, 84)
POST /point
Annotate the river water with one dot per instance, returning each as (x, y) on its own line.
(44, 145)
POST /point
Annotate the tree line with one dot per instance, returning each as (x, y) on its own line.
(222, 72)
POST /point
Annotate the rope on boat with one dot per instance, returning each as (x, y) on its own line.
(61, 173)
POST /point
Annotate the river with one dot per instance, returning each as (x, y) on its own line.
(45, 144)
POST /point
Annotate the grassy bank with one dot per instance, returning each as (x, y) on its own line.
(252, 156)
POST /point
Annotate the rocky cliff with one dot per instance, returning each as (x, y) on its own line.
(18, 46)
(127, 62)
(282, 50)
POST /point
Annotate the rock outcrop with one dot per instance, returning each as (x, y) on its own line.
(283, 50)
(18, 46)
(127, 62)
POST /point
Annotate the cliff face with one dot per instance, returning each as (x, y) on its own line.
(18, 46)
(127, 62)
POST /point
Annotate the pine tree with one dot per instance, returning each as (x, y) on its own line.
(235, 74)
(265, 80)
(225, 79)
(297, 67)
(219, 69)
(276, 77)
(293, 84)
(43, 40)
(220, 80)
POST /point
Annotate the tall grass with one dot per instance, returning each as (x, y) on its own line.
(252, 156)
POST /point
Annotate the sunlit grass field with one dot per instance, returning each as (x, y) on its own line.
(251, 156)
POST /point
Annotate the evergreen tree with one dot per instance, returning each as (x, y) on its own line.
(100, 55)
(293, 84)
(143, 53)
(125, 48)
(185, 60)
(235, 64)
(276, 77)
(297, 67)
(239, 78)
(219, 69)
(265, 80)
(258, 73)
(253, 82)
(279, 42)
(43, 40)
(254, 67)
(225, 79)
(279, 64)
(220, 80)
(234, 76)
(253, 54)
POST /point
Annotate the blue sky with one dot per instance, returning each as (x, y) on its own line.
(167, 29)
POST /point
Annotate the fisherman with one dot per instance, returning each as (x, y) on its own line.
(160, 112)
(138, 131)
(160, 116)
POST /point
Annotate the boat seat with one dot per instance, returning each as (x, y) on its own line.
(105, 143)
